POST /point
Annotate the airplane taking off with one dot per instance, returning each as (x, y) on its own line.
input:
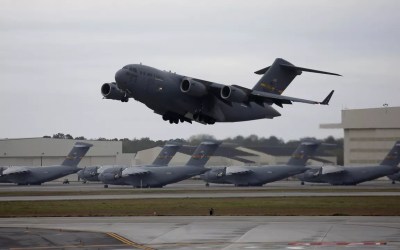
(336, 175)
(150, 176)
(179, 98)
(169, 150)
(38, 175)
(258, 176)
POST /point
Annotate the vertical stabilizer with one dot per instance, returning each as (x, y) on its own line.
(393, 157)
(275, 79)
(202, 154)
(279, 75)
(166, 154)
(303, 152)
(77, 153)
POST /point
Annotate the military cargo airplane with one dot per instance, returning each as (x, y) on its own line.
(3, 178)
(394, 177)
(336, 175)
(179, 98)
(258, 176)
(91, 173)
(37, 175)
(148, 176)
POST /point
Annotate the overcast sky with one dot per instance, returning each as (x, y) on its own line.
(55, 55)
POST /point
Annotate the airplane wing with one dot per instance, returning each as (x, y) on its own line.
(16, 170)
(134, 171)
(260, 97)
(329, 170)
(237, 170)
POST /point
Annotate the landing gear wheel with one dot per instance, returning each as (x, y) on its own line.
(105, 186)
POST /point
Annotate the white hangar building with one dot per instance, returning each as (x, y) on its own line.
(369, 134)
(50, 151)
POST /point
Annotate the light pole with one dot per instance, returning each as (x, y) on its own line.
(41, 159)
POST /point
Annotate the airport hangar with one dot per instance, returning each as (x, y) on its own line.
(50, 151)
(369, 134)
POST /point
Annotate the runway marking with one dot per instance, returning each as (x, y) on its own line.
(339, 243)
(128, 242)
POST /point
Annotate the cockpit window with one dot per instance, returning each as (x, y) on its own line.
(130, 68)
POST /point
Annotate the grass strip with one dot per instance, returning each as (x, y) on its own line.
(198, 190)
(279, 206)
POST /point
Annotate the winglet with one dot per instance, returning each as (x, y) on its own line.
(327, 99)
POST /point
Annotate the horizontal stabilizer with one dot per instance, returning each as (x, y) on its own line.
(295, 68)
(329, 169)
(16, 170)
(262, 71)
(134, 171)
(292, 67)
(235, 170)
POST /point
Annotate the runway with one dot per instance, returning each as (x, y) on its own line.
(191, 189)
(217, 232)
(207, 232)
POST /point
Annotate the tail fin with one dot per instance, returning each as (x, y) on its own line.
(279, 75)
(167, 153)
(393, 157)
(202, 154)
(303, 152)
(77, 153)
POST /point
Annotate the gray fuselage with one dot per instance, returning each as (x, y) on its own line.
(38, 175)
(257, 176)
(161, 92)
(351, 175)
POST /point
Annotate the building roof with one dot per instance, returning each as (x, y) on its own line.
(382, 117)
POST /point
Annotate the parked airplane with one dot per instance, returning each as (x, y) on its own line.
(150, 176)
(3, 178)
(258, 176)
(179, 98)
(37, 175)
(91, 173)
(336, 175)
(394, 177)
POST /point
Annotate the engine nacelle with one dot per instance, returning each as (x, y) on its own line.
(214, 174)
(193, 88)
(233, 94)
(111, 91)
(312, 173)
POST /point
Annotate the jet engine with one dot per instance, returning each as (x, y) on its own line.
(193, 88)
(214, 175)
(312, 173)
(233, 94)
(111, 91)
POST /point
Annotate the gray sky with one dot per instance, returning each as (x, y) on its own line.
(55, 55)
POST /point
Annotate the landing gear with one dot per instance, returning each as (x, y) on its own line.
(105, 186)
(302, 183)
(204, 119)
(175, 118)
